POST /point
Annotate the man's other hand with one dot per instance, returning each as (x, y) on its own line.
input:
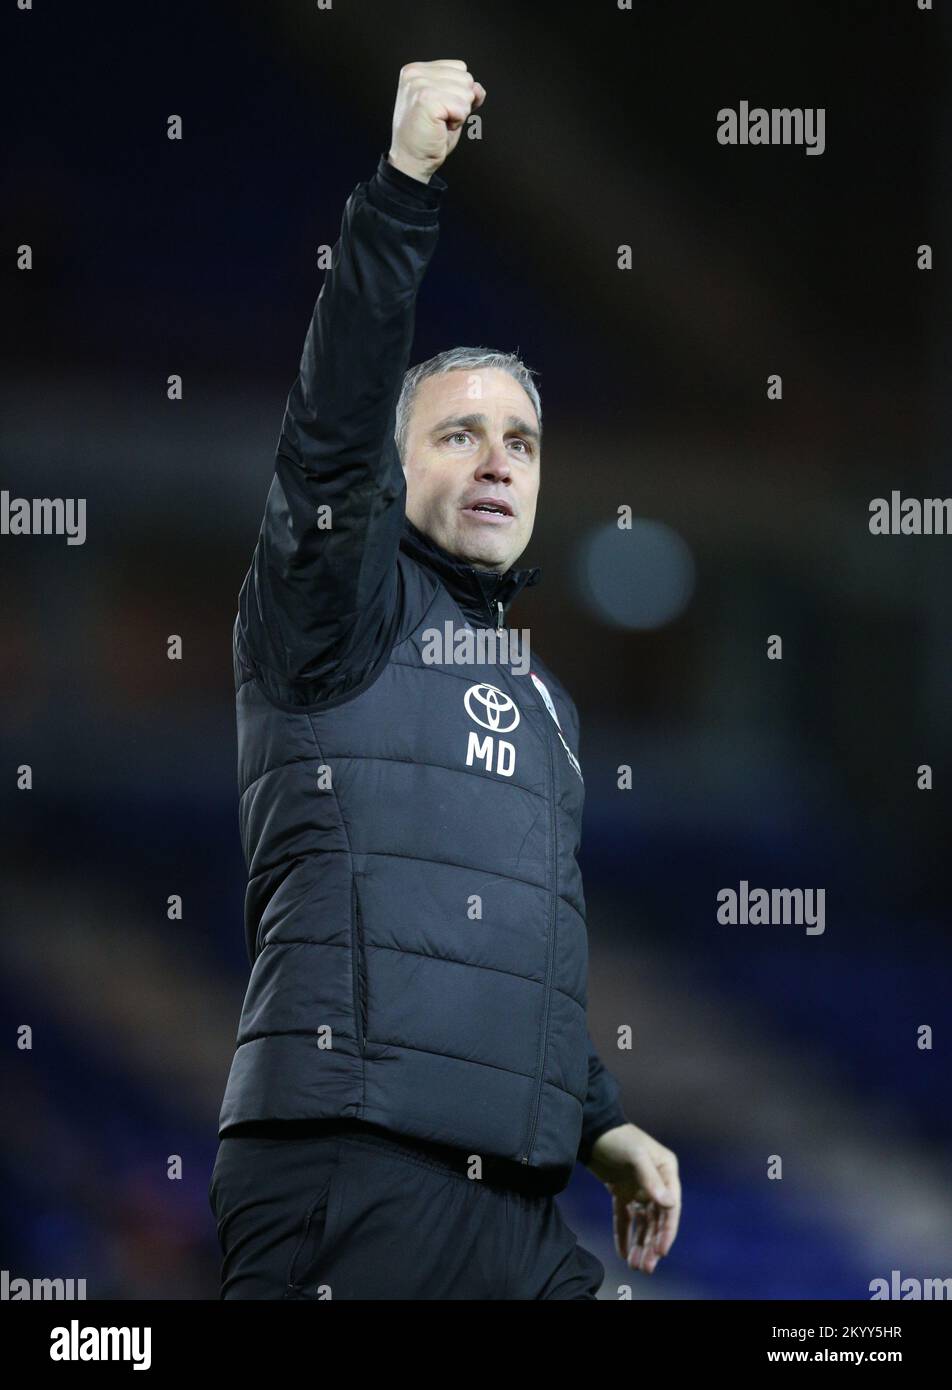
(642, 1177)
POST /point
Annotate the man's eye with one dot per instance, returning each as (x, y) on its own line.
(458, 434)
(523, 443)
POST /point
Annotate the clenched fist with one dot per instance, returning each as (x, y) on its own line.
(433, 101)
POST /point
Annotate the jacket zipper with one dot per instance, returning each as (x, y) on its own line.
(550, 945)
(550, 931)
(357, 955)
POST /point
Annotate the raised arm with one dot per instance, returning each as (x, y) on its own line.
(317, 607)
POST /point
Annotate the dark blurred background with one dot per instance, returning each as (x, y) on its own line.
(199, 257)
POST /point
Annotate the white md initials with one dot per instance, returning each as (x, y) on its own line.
(482, 748)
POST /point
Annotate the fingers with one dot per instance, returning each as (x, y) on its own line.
(453, 110)
(446, 70)
(654, 1237)
(650, 1222)
(669, 1172)
(661, 1218)
(446, 76)
(443, 103)
(621, 1221)
(662, 1237)
(643, 1215)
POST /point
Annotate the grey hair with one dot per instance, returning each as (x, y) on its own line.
(454, 360)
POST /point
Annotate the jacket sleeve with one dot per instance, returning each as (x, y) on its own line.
(317, 609)
(602, 1105)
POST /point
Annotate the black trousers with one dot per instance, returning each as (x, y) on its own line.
(348, 1212)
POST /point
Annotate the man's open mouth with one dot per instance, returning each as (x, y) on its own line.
(487, 506)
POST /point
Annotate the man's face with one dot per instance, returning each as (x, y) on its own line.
(473, 445)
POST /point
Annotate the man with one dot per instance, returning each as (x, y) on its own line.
(413, 1079)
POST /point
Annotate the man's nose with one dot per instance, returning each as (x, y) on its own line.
(496, 464)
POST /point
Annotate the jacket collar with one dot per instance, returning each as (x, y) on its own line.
(478, 592)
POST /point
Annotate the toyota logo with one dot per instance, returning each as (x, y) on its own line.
(491, 708)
